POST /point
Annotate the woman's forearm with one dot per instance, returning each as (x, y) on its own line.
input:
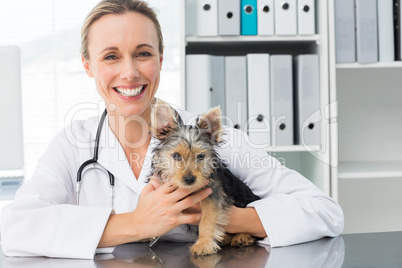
(245, 220)
(119, 230)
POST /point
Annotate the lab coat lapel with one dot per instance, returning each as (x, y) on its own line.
(113, 158)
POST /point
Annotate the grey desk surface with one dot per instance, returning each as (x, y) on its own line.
(353, 250)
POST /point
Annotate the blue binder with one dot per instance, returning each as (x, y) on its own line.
(249, 17)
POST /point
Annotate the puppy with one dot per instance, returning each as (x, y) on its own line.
(186, 156)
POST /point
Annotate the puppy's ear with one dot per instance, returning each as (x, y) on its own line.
(163, 120)
(211, 122)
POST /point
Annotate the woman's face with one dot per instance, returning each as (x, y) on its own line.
(125, 62)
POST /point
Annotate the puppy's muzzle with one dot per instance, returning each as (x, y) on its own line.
(188, 179)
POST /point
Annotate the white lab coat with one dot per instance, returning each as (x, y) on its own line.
(45, 221)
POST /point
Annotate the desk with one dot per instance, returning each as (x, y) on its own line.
(353, 250)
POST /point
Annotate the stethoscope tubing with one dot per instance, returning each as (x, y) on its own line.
(94, 160)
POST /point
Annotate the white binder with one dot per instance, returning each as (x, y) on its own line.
(386, 46)
(258, 99)
(198, 83)
(366, 31)
(307, 100)
(306, 17)
(281, 100)
(285, 17)
(201, 17)
(229, 17)
(345, 38)
(218, 82)
(236, 92)
(11, 138)
(265, 17)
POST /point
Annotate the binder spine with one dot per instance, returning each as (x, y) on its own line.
(229, 17)
(282, 100)
(306, 17)
(265, 17)
(249, 17)
(236, 91)
(366, 31)
(285, 17)
(307, 113)
(198, 83)
(345, 38)
(218, 82)
(386, 49)
(207, 18)
(258, 99)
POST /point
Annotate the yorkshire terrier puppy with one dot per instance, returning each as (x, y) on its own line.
(186, 156)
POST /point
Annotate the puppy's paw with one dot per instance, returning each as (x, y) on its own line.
(242, 240)
(227, 240)
(202, 248)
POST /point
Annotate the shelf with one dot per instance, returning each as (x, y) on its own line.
(294, 148)
(376, 65)
(253, 38)
(240, 45)
(11, 173)
(369, 170)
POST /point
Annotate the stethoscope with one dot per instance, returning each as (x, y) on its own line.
(94, 160)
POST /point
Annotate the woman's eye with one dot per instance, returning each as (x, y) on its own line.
(200, 157)
(176, 156)
(144, 54)
(110, 57)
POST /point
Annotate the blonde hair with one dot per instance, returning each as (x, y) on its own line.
(106, 7)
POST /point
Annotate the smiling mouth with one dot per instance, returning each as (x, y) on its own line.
(126, 92)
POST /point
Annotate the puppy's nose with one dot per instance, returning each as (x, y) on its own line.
(189, 179)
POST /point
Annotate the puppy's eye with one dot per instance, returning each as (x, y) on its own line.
(200, 157)
(176, 156)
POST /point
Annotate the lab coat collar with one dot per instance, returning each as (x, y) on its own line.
(112, 157)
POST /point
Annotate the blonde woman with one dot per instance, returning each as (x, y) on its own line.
(122, 50)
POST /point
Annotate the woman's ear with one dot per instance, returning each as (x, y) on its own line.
(85, 63)
(161, 57)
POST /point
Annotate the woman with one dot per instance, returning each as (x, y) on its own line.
(122, 49)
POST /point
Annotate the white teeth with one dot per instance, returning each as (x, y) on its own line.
(129, 92)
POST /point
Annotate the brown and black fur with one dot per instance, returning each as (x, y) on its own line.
(187, 157)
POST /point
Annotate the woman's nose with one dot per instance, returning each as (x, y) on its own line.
(129, 70)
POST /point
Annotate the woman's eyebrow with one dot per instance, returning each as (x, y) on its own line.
(139, 46)
(109, 48)
(144, 45)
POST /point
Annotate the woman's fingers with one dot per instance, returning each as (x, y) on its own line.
(180, 193)
(191, 200)
(165, 188)
(162, 203)
(192, 219)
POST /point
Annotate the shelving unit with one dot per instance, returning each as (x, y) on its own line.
(366, 144)
(313, 163)
(370, 170)
(252, 38)
(377, 65)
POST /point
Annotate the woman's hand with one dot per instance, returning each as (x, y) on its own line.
(160, 209)
(163, 207)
